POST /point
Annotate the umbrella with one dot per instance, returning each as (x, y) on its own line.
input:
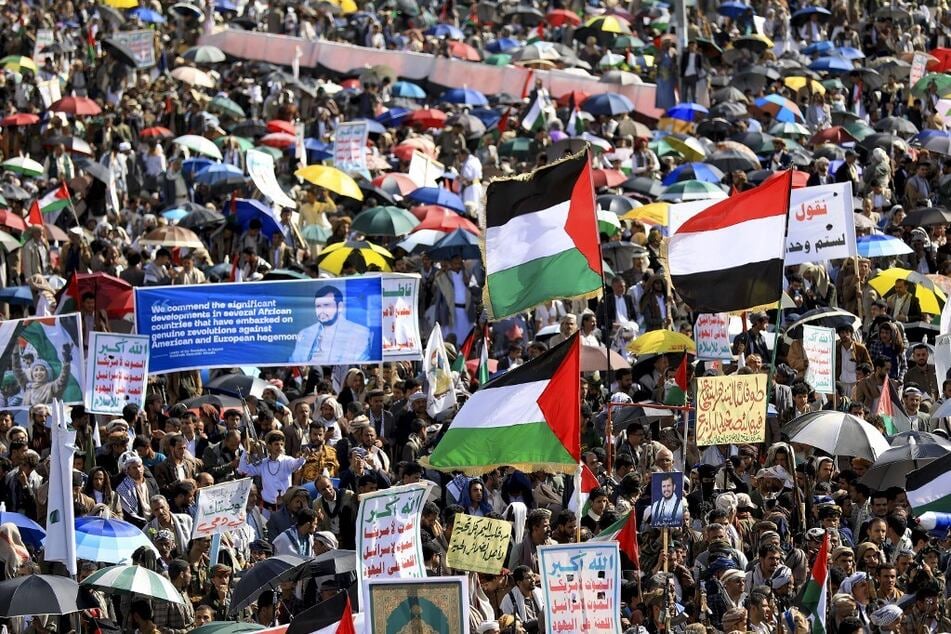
(927, 216)
(220, 173)
(595, 358)
(781, 108)
(360, 252)
(756, 43)
(437, 196)
(694, 171)
(461, 50)
(608, 104)
(120, 52)
(503, 45)
(519, 147)
(104, 287)
(19, 119)
(442, 219)
(134, 580)
(824, 317)
(879, 245)
(33, 595)
(603, 28)
(561, 17)
(226, 106)
(420, 241)
(891, 143)
(83, 106)
(393, 117)
(9, 243)
(199, 144)
(941, 81)
(685, 191)
(935, 141)
(929, 295)
(832, 65)
(445, 31)
(687, 111)
(282, 140)
(23, 165)
(837, 434)
(395, 183)
(892, 467)
(427, 118)
(617, 204)
(172, 236)
(466, 96)
(608, 223)
(729, 160)
(407, 90)
(384, 221)
(228, 627)
(805, 14)
(157, 132)
(652, 214)
(16, 295)
(688, 147)
(242, 385)
(644, 185)
(662, 341)
(31, 532)
(790, 129)
(19, 63)
(835, 135)
(204, 55)
(923, 437)
(108, 541)
(607, 177)
(193, 77)
(459, 243)
(733, 9)
(332, 179)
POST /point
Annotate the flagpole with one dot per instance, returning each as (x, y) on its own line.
(779, 302)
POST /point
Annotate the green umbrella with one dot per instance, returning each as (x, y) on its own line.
(623, 42)
(685, 191)
(519, 147)
(608, 222)
(8, 242)
(227, 106)
(498, 59)
(859, 129)
(227, 627)
(832, 84)
(23, 165)
(942, 81)
(244, 144)
(134, 580)
(384, 221)
(315, 234)
(790, 129)
(204, 55)
(273, 151)
(662, 148)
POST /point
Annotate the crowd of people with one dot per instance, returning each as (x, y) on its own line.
(316, 440)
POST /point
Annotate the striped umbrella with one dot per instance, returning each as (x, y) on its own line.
(879, 245)
(134, 580)
(107, 540)
(360, 252)
(23, 165)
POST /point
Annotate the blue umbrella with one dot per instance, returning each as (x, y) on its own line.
(818, 48)
(17, 295)
(393, 118)
(733, 9)
(219, 173)
(147, 15)
(445, 30)
(687, 111)
(192, 166)
(805, 14)
(174, 215)
(407, 90)
(225, 5)
(832, 64)
(879, 245)
(374, 126)
(694, 171)
(849, 53)
(248, 209)
(437, 196)
(607, 104)
(31, 532)
(460, 242)
(466, 96)
(487, 116)
(503, 45)
(108, 541)
(316, 149)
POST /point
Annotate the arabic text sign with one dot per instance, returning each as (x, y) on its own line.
(581, 585)
(44, 39)
(712, 334)
(424, 170)
(261, 170)
(116, 370)
(919, 64)
(400, 323)
(821, 225)
(731, 409)
(142, 45)
(819, 344)
(221, 508)
(388, 544)
(478, 544)
(350, 146)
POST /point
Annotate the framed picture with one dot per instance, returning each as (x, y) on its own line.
(418, 606)
(667, 499)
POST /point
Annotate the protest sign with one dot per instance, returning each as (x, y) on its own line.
(435, 604)
(919, 65)
(424, 170)
(731, 409)
(41, 360)
(667, 499)
(116, 370)
(712, 336)
(400, 323)
(478, 544)
(221, 508)
(49, 91)
(44, 39)
(350, 146)
(141, 43)
(821, 225)
(819, 344)
(581, 587)
(261, 170)
(262, 323)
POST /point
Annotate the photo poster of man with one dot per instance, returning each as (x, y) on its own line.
(41, 360)
(667, 499)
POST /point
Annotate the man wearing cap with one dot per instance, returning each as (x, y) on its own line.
(294, 500)
(753, 339)
(911, 402)
(922, 373)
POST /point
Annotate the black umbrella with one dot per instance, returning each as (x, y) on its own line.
(921, 437)
(729, 110)
(829, 151)
(617, 204)
(824, 317)
(95, 169)
(262, 576)
(892, 467)
(938, 143)
(119, 51)
(759, 142)
(891, 143)
(14, 192)
(717, 129)
(528, 15)
(110, 14)
(201, 218)
(644, 185)
(896, 125)
(732, 160)
(250, 128)
(370, 191)
(220, 401)
(242, 385)
(33, 595)
(472, 126)
(729, 93)
(926, 217)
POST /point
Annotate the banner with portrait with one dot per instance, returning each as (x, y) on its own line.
(41, 360)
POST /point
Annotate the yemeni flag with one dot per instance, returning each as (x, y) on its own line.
(541, 238)
(815, 597)
(711, 274)
(891, 410)
(929, 488)
(56, 200)
(585, 483)
(527, 418)
(624, 532)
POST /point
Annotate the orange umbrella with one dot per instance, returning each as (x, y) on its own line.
(279, 125)
(607, 177)
(464, 51)
(427, 118)
(441, 219)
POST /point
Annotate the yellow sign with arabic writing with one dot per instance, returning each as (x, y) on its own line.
(478, 544)
(731, 409)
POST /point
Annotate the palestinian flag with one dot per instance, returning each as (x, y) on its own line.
(891, 410)
(541, 237)
(482, 375)
(815, 597)
(624, 532)
(585, 483)
(706, 265)
(537, 116)
(56, 200)
(527, 418)
(34, 218)
(929, 488)
(465, 351)
(333, 616)
(677, 393)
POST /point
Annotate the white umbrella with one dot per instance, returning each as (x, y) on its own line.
(193, 77)
(838, 434)
(199, 144)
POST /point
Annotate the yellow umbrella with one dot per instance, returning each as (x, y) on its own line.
(346, 6)
(662, 341)
(669, 124)
(798, 83)
(653, 214)
(122, 4)
(688, 147)
(930, 297)
(333, 258)
(330, 178)
(19, 63)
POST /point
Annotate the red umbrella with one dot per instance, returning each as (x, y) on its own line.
(106, 288)
(427, 118)
(395, 183)
(607, 177)
(279, 125)
(11, 220)
(943, 63)
(351, 83)
(835, 135)
(76, 106)
(121, 305)
(441, 219)
(464, 51)
(20, 118)
(157, 132)
(281, 140)
(565, 100)
(54, 233)
(558, 17)
(421, 211)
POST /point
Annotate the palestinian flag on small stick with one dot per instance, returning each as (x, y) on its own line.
(624, 532)
(527, 418)
(541, 238)
(815, 595)
(929, 488)
(537, 116)
(333, 616)
(710, 273)
(891, 410)
(585, 483)
(56, 200)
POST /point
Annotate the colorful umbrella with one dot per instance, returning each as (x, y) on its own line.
(459, 243)
(204, 54)
(687, 111)
(23, 165)
(384, 221)
(19, 63)
(108, 541)
(437, 196)
(407, 90)
(879, 245)
(442, 219)
(694, 171)
(685, 191)
(780, 108)
(363, 254)
(608, 103)
(133, 580)
(332, 179)
(929, 295)
(157, 132)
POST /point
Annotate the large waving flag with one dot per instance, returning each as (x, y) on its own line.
(729, 257)
(527, 418)
(891, 410)
(55, 200)
(541, 237)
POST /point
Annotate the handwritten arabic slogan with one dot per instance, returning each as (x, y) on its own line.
(821, 225)
(388, 543)
(221, 508)
(581, 585)
(712, 334)
(819, 344)
(116, 370)
(400, 325)
(437, 604)
(350, 146)
(731, 409)
(478, 544)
